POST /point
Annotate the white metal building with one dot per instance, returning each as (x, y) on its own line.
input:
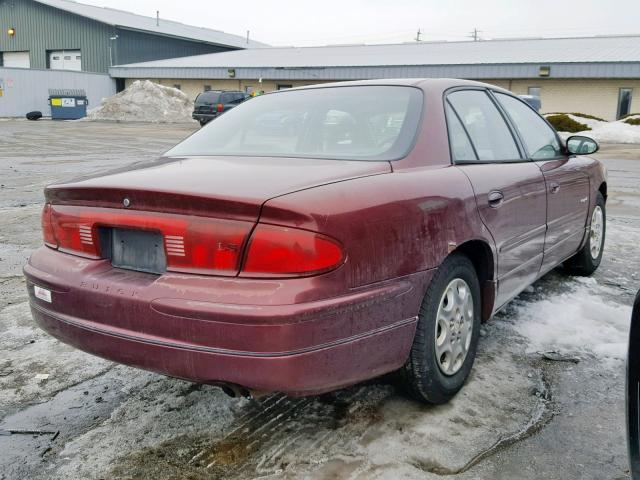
(595, 75)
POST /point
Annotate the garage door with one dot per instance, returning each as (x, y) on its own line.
(16, 59)
(65, 60)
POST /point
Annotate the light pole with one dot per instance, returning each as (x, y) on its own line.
(111, 39)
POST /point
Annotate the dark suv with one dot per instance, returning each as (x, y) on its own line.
(210, 104)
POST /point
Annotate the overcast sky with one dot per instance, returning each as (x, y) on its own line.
(322, 22)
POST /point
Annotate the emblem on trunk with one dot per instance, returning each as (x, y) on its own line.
(126, 202)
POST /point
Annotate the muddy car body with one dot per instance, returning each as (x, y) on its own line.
(266, 268)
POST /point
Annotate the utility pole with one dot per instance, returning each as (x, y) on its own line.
(248, 37)
(475, 35)
(417, 39)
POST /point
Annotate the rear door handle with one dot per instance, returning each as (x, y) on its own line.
(496, 197)
(554, 187)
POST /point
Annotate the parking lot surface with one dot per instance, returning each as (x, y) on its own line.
(545, 399)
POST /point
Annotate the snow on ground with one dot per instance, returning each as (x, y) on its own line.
(145, 101)
(578, 321)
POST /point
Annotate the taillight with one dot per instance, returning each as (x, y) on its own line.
(197, 244)
(275, 251)
(192, 244)
(220, 107)
(47, 227)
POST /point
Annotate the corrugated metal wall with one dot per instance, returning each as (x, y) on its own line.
(40, 28)
(24, 90)
(133, 47)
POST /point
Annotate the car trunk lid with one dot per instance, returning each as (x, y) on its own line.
(219, 187)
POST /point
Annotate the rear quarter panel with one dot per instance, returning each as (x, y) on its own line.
(390, 225)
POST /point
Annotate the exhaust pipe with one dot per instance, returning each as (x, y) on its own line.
(236, 391)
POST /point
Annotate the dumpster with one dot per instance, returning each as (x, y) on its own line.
(68, 104)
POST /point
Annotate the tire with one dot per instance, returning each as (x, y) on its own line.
(202, 123)
(585, 262)
(35, 115)
(428, 378)
(633, 387)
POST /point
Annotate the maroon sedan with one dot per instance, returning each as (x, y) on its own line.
(313, 238)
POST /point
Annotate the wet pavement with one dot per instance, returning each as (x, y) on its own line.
(525, 413)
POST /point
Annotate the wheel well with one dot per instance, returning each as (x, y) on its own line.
(482, 258)
(603, 190)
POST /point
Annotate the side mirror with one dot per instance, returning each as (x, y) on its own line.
(579, 145)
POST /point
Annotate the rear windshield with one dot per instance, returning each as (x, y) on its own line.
(207, 97)
(352, 123)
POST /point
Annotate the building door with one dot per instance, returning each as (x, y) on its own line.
(65, 60)
(624, 102)
(16, 59)
(510, 189)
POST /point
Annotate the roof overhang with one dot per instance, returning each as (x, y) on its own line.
(475, 71)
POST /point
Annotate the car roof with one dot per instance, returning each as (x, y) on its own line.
(427, 84)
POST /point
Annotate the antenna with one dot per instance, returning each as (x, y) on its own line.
(475, 35)
(417, 39)
(157, 18)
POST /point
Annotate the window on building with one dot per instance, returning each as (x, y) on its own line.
(624, 102)
(535, 91)
(207, 88)
(283, 87)
(177, 85)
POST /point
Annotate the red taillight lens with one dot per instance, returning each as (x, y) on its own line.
(281, 251)
(220, 107)
(47, 227)
(192, 244)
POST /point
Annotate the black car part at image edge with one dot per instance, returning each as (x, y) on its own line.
(633, 391)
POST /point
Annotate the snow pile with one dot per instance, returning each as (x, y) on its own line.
(578, 321)
(145, 101)
(589, 122)
(606, 132)
(614, 132)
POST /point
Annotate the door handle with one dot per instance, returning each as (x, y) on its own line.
(554, 187)
(496, 197)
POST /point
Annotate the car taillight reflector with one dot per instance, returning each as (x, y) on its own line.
(47, 227)
(192, 244)
(275, 251)
(220, 107)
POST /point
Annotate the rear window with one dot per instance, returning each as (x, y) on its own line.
(207, 97)
(352, 123)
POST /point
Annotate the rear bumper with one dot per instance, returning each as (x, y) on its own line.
(162, 324)
(204, 117)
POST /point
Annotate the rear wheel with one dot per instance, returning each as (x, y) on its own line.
(588, 259)
(444, 347)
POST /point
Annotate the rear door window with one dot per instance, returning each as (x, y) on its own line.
(227, 98)
(487, 128)
(461, 148)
